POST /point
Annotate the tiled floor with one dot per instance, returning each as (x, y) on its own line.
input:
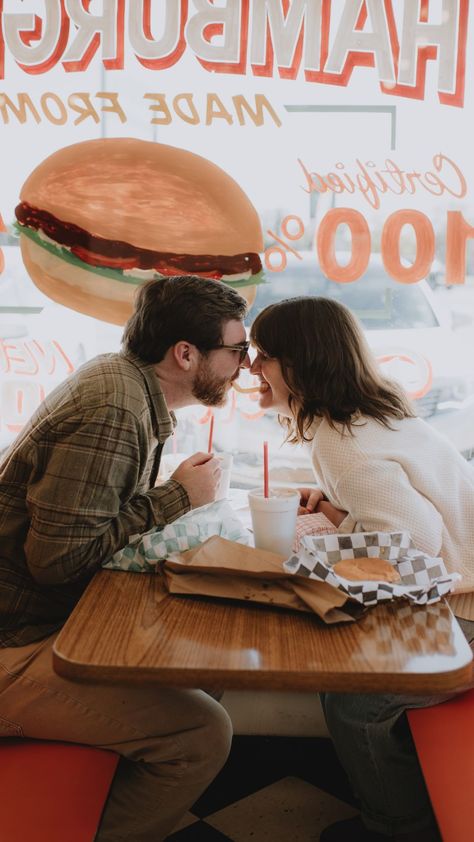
(272, 789)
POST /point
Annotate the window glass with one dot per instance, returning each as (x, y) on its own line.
(303, 148)
(416, 335)
(379, 302)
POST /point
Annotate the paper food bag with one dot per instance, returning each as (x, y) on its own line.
(229, 558)
(220, 568)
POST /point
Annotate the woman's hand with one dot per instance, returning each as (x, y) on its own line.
(313, 500)
(336, 516)
(309, 500)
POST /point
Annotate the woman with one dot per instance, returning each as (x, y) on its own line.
(379, 468)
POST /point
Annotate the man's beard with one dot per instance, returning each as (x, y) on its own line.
(209, 389)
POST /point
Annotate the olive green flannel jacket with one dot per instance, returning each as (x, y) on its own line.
(76, 485)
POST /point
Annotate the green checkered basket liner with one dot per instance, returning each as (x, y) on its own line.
(144, 552)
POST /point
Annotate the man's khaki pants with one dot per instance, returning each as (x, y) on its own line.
(172, 742)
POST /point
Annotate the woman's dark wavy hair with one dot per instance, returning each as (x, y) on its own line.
(183, 307)
(327, 365)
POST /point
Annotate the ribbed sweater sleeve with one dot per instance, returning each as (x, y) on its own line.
(379, 496)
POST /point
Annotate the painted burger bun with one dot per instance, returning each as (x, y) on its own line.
(98, 218)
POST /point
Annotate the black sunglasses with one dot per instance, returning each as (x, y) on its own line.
(242, 348)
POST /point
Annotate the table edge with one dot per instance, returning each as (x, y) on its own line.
(416, 683)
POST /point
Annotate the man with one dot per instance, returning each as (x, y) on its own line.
(75, 485)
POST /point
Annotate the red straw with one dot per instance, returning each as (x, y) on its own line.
(211, 433)
(265, 469)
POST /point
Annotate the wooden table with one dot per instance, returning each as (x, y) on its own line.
(125, 628)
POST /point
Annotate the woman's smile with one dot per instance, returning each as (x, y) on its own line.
(266, 397)
(273, 390)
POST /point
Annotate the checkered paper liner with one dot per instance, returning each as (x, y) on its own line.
(423, 579)
(313, 524)
(144, 552)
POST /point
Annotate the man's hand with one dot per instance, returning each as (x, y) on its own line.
(309, 500)
(199, 474)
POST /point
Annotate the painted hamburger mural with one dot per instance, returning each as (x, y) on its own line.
(340, 129)
(98, 218)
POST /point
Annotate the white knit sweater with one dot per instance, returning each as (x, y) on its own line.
(407, 478)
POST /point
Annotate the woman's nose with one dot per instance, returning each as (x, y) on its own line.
(255, 365)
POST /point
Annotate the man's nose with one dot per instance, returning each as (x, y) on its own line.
(246, 362)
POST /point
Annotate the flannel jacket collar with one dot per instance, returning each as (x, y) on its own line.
(164, 420)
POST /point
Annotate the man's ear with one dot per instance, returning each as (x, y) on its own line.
(185, 355)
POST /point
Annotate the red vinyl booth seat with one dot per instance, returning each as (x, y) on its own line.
(51, 791)
(444, 740)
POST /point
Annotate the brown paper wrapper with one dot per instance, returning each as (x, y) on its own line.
(227, 570)
(229, 557)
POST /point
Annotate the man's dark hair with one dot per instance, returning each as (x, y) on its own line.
(179, 308)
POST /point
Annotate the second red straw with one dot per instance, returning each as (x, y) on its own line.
(265, 469)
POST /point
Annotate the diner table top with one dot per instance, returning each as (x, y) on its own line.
(126, 628)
